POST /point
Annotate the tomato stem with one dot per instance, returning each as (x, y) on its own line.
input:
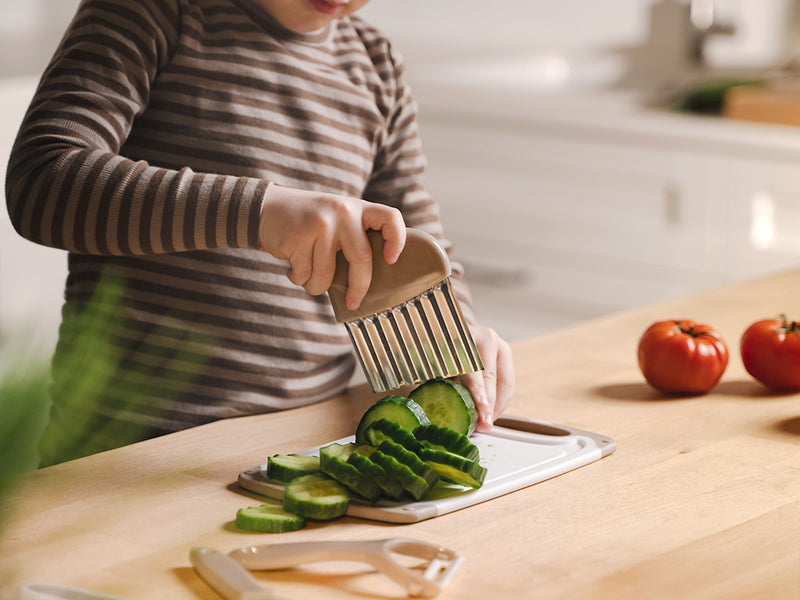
(789, 327)
(688, 330)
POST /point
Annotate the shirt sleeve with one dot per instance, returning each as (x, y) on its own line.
(68, 186)
(397, 178)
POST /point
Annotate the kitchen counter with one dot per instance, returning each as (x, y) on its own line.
(608, 112)
(701, 499)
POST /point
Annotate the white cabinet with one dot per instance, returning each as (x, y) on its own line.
(556, 225)
(761, 220)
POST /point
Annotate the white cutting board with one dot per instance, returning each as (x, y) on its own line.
(517, 452)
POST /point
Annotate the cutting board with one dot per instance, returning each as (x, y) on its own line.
(766, 105)
(517, 453)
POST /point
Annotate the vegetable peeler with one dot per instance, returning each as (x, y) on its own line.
(228, 575)
(409, 327)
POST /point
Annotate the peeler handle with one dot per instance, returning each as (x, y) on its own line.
(293, 554)
(422, 264)
(374, 553)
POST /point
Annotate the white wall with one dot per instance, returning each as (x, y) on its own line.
(455, 28)
(29, 32)
(433, 29)
(31, 276)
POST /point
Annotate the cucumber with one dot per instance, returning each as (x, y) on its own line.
(285, 467)
(412, 483)
(444, 438)
(361, 461)
(403, 411)
(454, 468)
(334, 463)
(270, 518)
(448, 404)
(410, 460)
(334, 451)
(384, 429)
(316, 496)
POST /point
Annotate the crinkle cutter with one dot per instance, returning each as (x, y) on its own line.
(228, 574)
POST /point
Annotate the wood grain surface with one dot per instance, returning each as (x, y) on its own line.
(701, 499)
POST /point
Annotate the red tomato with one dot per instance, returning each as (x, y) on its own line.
(771, 353)
(682, 357)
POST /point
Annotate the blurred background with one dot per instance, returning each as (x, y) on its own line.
(588, 157)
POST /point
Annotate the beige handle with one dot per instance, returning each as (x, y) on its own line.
(422, 264)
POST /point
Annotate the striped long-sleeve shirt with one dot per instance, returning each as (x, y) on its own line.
(146, 153)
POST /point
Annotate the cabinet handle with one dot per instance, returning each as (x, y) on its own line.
(672, 205)
(495, 276)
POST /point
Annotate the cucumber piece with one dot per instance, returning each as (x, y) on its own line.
(412, 483)
(384, 429)
(285, 467)
(447, 403)
(334, 451)
(360, 459)
(270, 518)
(316, 496)
(403, 411)
(334, 463)
(419, 467)
(454, 468)
(444, 438)
(364, 449)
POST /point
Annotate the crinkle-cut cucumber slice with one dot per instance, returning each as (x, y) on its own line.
(364, 449)
(270, 518)
(454, 468)
(444, 438)
(412, 483)
(447, 403)
(316, 496)
(285, 467)
(403, 411)
(335, 451)
(334, 463)
(360, 459)
(384, 429)
(409, 459)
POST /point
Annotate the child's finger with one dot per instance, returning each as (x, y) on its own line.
(389, 221)
(300, 270)
(323, 263)
(358, 253)
(505, 378)
(395, 241)
(477, 386)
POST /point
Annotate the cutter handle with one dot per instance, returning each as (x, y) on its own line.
(422, 264)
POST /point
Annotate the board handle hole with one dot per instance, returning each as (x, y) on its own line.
(521, 424)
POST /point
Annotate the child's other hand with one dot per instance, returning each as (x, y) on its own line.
(309, 228)
(493, 387)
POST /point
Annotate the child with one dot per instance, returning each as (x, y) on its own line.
(206, 159)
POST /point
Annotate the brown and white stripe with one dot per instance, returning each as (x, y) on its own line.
(146, 153)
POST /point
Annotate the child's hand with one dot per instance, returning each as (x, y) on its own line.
(309, 228)
(493, 387)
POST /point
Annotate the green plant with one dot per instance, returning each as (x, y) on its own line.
(35, 431)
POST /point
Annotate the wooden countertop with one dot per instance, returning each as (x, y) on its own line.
(701, 499)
